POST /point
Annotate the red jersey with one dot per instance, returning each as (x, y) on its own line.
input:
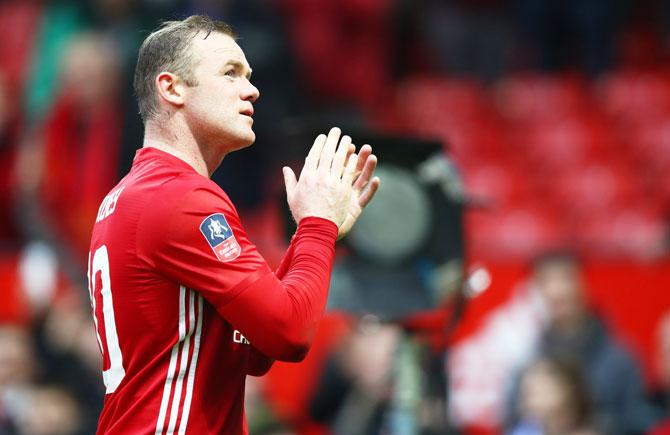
(184, 305)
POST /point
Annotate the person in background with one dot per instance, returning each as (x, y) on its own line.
(355, 387)
(553, 400)
(661, 397)
(51, 410)
(17, 370)
(66, 167)
(577, 334)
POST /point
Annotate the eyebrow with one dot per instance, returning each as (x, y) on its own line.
(238, 64)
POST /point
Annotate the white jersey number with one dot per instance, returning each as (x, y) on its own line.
(115, 373)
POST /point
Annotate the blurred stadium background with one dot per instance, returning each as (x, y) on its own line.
(556, 114)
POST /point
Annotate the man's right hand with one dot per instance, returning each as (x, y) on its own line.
(326, 185)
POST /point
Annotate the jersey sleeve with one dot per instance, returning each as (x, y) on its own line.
(203, 247)
(279, 314)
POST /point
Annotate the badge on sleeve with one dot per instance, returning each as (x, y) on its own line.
(220, 237)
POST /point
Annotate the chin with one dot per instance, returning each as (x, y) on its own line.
(242, 141)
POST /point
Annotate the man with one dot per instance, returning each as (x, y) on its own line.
(184, 305)
(576, 334)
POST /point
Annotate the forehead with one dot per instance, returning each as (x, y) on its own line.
(557, 268)
(217, 49)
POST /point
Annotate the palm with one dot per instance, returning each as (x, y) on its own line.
(354, 212)
(364, 188)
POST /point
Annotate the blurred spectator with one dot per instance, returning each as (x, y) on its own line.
(72, 162)
(381, 380)
(69, 354)
(553, 400)
(50, 410)
(356, 386)
(661, 397)
(577, 334)
(60, 21)
(480, 366)
(17, 369)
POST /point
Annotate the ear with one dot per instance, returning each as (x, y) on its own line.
(170, 88)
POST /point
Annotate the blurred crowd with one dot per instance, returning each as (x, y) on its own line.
(556, 113)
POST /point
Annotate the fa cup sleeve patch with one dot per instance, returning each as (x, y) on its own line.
(220, 237)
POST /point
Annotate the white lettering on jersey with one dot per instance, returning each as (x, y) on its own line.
(108, 204)
(239, 338)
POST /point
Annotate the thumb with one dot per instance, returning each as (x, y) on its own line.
(289, 179)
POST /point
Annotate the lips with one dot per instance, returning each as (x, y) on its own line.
(248, 112)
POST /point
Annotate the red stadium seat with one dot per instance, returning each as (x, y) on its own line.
(593, 189)
(557, 145)
(515, 234)
(552, 159)
(494, 183)
(631, 96)
(651, 144)
(637, 233)
(453, 110)
(432, 103)
(528, 97)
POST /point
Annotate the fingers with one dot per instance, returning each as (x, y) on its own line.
(350, 151)
(363, 155)
(329, 156)
(369, 192)
(328, 151)
(340, 158)
(289, 180)
(368, 169)
(312, 159)
(350, 170)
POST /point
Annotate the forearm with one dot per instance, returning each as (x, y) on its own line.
(286, 260)
(279, 316)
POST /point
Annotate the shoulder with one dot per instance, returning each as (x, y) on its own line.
(181, 204)
(186, 191)
(615, 359)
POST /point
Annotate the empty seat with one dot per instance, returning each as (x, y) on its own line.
(629, 96)
(527, 97)
(512, 234)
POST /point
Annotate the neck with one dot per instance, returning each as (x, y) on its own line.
(182, 144)
(572, 326)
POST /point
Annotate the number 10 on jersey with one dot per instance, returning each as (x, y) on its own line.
(100, 288)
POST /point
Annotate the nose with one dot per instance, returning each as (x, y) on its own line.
(250, 92)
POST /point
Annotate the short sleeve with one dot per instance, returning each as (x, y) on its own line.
(203, 246)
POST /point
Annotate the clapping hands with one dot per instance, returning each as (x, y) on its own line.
(335, 183)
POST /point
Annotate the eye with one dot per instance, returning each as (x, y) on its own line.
(230, 73)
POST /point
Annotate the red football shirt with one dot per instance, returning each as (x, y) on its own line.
(184, 305)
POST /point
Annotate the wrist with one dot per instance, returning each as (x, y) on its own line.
(319, 225)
